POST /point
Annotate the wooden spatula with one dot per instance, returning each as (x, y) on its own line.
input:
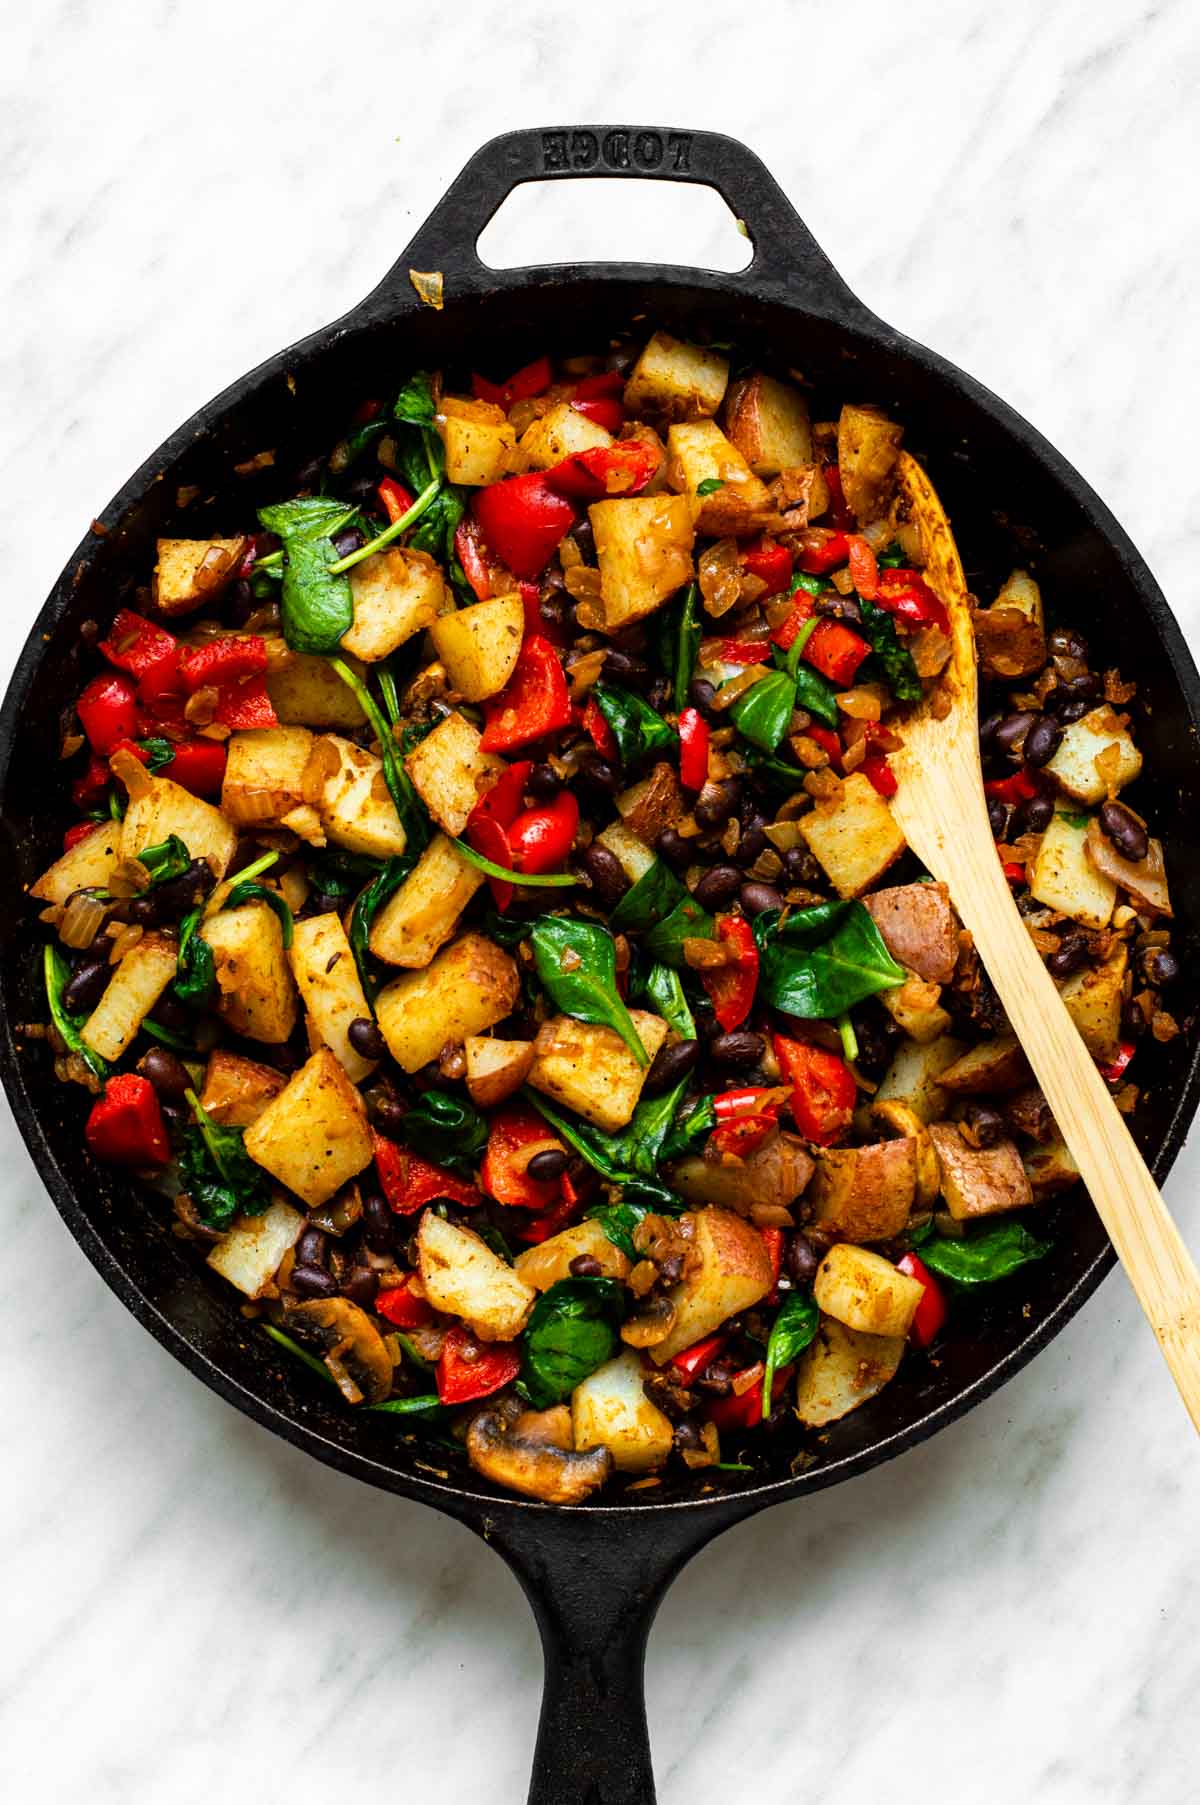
(941, 809)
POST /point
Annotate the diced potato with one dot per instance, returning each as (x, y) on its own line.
(396, 594)
(424, 912)
(865, 1194)
(734, 1272)
(917, 925)
(676, 381)
(610, 1409)
(631, 853)
(1050, 1168)
(346, 786)
(550, 1261)
(651, 804)
(560, 433)
(866, 1292)
(191, 572)
(644, 551)
(768, 422)
(257, 997)
(842, 1368)
(590, 1069)
(868, 444)
(328, 981)
(1093, 999)
(1011, 634)
(264, 774)
(306, 691)
(699, 453)
(1063, 877)
(314, 1136)
(165, 808)
(450, 773)
(775, 1173)
(853, 836)
(1146, 881)
(479, 646)
(978, 1181)
(134, 988)
(1083, 742)
(87, 866)
(914, 1076)
(496, 1069)
(249, 1255)
(990, 1066)
(470, 986)
(237, 1090)
(463, 1277)
(481, 447)
(915, 1007)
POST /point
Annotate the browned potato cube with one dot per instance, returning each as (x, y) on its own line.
(449, 772)
(257, 997)
(734, 1272)
(1063, 877)
(314, 1136)
(396, 594)
(133, 990)
(914, 1076)
(346, 786)
(1096, 757)
(237, 1090)
(644, 550)
(676, 381)
(1050, 1168)
(868, 446)
(865, 1193)
(463, 1277)
(550, 1261)
(1011, 634)
(87, 866)
(699, 454)
(496, 1069)
(481, 447)
(774, 1174)
(989, 1066)
(866, 1292)
(918, 927)
(590, 1069)
(250, 1254)
(769, 424)
(651, 804)
(191, 572)
(328, 981)
(842, 1368)
(1093, 999)
(165, 808)
(853, 836)
(480, 645)
(560, 433)
(610, 1409)
(424, 912)
(470, 986)
(264, 774)
(978, 1181)
(306, 691)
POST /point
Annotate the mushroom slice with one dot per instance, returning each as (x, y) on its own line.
(891, 1113)
(354, 1349)
(651, 1324)
(528, 1464)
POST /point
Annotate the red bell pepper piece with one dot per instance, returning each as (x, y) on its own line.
(89, 789)
(747, 1100)
(504, 801)
(605, 471)
(602, 387)
(402, 1308)
(732, 986)
(1013, 872)
(864, 571)
(198, 766)
(245, 704)
(1115, 1069)
(148, 652)
(876, 769)
(530, 380)
(931, 1311)
(1017, 788)
(542, 837)
(598, 729)
(125, 1126)
(395, 498)
(694, 1361)
(532, 703)
(823, 1089)
(839, 512)
(745, 651)
(468, 1369)
(107, 711)
(224, 660)
(836, 651)
(523, 521)
(744, 1411)
(474, 564)
(490, 839)
(742, 1137)
(409, 1183)
(772, 563)
(906, 594)
(608, 414)
(694, 736)
(540, 1228)
(511, 1133)
(773, 1242)
(828, 741)
(79, 832)
(822, 551)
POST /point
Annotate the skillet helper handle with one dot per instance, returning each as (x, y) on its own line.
(785, 253)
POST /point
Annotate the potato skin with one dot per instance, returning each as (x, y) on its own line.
(769, 424)
(917, 925)
(734, 1272)
(496, 1069)
(865, 1193)
(470, 986)
(314, 1136)
(699, 452)
(978, 1181)
(237, 1090)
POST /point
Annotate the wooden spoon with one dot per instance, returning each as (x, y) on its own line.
(941, 809)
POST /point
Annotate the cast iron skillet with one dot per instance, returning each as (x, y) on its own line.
(594, 1575)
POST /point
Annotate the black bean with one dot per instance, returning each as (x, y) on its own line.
(1042, 741)
(313, 1281)
(986, 1125)
(716, 802)
(360, 1285)
(838, 607)
(1036, 814)
(543, 783)
(239, 602)
(365, 1038)
(619, 667)
(585, 1266)
(311, 1248)
(1160, 965)
(687, 1435)
(1012, 730)
(701, 693)
(554, 607)
(348, 542)
(1126, 832)
(669, 1065)
(718, 887)
(547, 1165)
(801, 1259)
(389, 1115)
(1064, 642)
(582, 535)
(605, 870)
(799, 866)
(598, 773)
(168, 1075)
(752, 844)
(677, 851)
(377, 1223)
(987, 730)
(658, 694)
(577, 1170)
(171, 1014)
(997, 813)
(88, 985)
(142, 911)
(1072, 953)
(756, 897)
(179, 894)
(323, 902)
(1133, 1020)
(1074, 711)
(738, 1048)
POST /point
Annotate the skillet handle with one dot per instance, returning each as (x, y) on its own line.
(595, 1581)
(787, 259)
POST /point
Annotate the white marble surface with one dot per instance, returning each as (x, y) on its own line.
(194, 1611)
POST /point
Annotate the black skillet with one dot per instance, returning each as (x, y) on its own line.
(594, 1575)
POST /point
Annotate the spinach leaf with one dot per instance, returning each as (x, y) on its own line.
(822, 981)
(218, 1174)
(893, 558)
(491, 1236)
(687, 921)
(576, 963)
(1074, 817)
(982, 1259)
(638, 731)
(889, 659)
(618, 1220)
(414, 404)
(306, 516)
(446, 1130)
(160, 751)
(165, 1038)
(610, 1155)
(195, 968)
(316, 603)
(763, 713)
(666, 993)
(810, 585)
(688, 1133)
(571, 1331)
(410, 1406)
(291, 1346)
(504, 932)
(548, 880)
(348, 450)
(169, 859)
(382, 886)
(413, 818)
(710, 485)
(649, 900)
(57, 974)
(244, 893)
(336, 872)
(687, 648)
(774, 770)
(793, 1329)
(816, 695)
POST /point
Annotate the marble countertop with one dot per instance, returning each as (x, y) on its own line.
(194, 1610)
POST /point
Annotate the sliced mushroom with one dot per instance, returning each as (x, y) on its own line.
(496, 1449)
(354, 1349)
(651, 1324)
(891, 1114)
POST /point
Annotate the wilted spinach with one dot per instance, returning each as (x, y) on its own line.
(571, 1331)
(195, 967)
(612, 1155)
(445, 1129)
(665, 991)
(169, 859)
(762, 713)
(576, 963)
(687, 646)
(817, 963)
(316, 604)
(687, 1133)
(889, 660)
(382, 886)
(58, 975)
(546, 880)
(638, 731)
(982, 1259)
(413, 818)
(251, 892)
(649, 900)
(687, 921)
(794, 1327)
(218, 1174)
